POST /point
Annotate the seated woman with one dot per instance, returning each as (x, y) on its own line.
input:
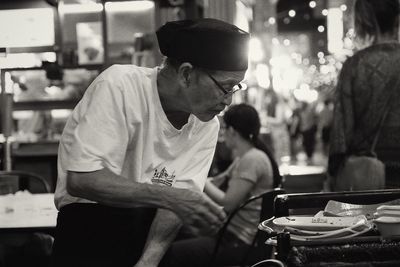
(251, 173)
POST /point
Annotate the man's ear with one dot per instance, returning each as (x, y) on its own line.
(185, 74)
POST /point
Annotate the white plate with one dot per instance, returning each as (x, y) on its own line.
(318, 223)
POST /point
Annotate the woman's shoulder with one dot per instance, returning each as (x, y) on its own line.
(255, 156)
(257, 161)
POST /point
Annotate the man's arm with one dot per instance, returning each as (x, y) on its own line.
(108, 188)
(163, 231)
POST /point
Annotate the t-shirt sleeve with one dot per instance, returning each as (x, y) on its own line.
(101, 137)
(251, 167)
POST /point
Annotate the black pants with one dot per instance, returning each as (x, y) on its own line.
(95, 235)
(326, 133)
(309, 141)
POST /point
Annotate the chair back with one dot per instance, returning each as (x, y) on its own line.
(13, 181)
(304, 183)
(267, 211)
(269, 263)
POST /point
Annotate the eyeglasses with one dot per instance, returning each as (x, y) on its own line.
(234, 89)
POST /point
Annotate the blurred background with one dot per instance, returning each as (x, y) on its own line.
(51, 50)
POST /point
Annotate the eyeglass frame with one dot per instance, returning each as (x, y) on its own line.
(226, 93)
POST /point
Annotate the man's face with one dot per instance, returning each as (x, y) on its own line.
(212, 92)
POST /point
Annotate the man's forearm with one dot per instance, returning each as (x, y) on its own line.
(163, 231)
(110, 189)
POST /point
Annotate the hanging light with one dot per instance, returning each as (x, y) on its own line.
(271, 20)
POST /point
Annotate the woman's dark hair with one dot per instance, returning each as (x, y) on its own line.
(374, 17)
(245, 120)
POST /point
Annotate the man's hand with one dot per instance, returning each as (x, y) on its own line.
(196, 210)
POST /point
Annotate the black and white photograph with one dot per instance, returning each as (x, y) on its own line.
(199, 133)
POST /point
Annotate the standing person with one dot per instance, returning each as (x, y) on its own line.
(277, 122)
(294, 130)
(253, 171)
(135, 153)
(325, 118)
(308, 128)
(366, 87)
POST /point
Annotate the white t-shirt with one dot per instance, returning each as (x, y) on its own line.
(120, 124)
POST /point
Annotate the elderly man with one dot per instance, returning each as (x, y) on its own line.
(135, 153)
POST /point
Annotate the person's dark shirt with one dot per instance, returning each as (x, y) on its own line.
(361, 97)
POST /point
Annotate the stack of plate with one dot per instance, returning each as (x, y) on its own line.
(388, 220)
(307, 228)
